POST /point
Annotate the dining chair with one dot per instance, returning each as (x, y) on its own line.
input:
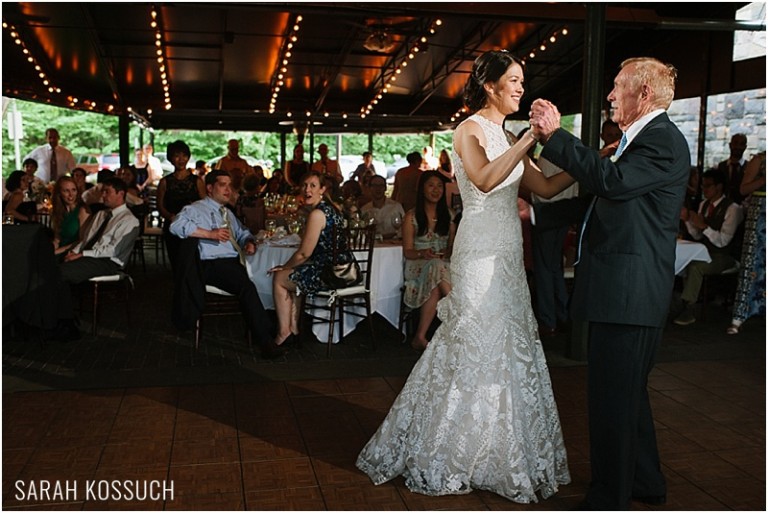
(118, 285)
(347, 300)
(218, 303)
(725, 282)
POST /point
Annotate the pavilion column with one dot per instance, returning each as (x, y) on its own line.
(592, 101)
(124, 125)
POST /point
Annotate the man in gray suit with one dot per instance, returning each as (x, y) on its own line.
(625, 275)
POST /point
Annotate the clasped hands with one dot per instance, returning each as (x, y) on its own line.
(544, 119)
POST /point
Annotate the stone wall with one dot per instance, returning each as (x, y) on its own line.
(727, 114)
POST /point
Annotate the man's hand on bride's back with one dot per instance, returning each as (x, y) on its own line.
(544, 119)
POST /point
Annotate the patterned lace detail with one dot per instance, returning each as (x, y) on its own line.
(477, 411)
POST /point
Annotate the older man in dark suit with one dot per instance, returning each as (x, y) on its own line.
(625, 275)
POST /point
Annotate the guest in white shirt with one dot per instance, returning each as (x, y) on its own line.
(715, 225)
(104, 249)
(52, 160)
(381, 208)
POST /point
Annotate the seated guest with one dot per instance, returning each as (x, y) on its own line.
(30, 167)
(428, 233)
(78, 174)
(92, 197)
(258, 172)
(16, 200)
(352, 198)
(301, 273)
(128, 175)
(68, 216)
(714, 224)
(250, 207)
(272, 186)
(222, 240)
(103, 250)
(381, 208)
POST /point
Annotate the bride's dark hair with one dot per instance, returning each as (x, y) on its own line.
(489, 67)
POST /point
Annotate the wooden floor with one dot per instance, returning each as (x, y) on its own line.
(229, 431)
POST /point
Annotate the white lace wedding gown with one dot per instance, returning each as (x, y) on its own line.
(477, 410)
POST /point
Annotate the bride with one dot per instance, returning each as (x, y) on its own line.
(477, 411)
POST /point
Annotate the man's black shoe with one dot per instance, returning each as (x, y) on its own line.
(652, 500)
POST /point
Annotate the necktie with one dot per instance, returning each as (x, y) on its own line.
(710, 210)
(226, 224)
(622, 146)
(96, 236)
(54, 166)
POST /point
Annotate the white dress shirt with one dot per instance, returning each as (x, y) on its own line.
(734, 214)
(65, 162)
(116, 243)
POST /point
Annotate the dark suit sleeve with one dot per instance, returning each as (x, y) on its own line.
(645, 165)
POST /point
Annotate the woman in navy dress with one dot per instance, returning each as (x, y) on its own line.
(301, 273)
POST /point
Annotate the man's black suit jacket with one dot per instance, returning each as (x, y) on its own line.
(626, 273)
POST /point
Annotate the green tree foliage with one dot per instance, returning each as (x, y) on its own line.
(87, 132)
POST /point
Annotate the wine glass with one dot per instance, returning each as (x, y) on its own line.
(397, 222)
(270, 225)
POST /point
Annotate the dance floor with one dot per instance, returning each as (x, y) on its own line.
(227, 430)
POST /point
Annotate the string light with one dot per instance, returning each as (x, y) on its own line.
(44, 78)
(162, 55)
(551, 39)
(541, 46)
(290, 38)
(390, 77)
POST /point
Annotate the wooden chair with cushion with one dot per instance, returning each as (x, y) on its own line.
(323, 306)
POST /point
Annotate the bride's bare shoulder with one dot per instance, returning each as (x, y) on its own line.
(469, 132)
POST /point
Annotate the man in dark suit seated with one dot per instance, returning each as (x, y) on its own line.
(625, 274)
(715, 224)
(222, 241)
(104, 249)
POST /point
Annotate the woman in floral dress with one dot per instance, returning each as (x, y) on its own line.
(428, 232)
(301, 273)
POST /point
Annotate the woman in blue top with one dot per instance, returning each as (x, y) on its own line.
(301, 273)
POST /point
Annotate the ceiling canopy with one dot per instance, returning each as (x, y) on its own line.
(346, 67)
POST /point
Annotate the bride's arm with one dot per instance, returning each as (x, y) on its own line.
(535, 181)
(469, 143)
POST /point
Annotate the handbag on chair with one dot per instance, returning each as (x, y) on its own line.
(339, 276)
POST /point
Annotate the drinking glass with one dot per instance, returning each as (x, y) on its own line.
(270, 225)
(397, 222)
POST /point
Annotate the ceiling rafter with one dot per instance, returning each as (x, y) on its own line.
(390, 67)
(104, 60)
(332, 72)
(464, 51)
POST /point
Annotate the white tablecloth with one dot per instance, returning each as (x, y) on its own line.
(386, 281)
(687, 251)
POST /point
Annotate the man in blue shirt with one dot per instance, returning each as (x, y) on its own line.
(222, 243)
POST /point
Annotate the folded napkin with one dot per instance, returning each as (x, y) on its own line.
(290, 240)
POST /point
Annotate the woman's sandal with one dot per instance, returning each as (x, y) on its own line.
(732, 330)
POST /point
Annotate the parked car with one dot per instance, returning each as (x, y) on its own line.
(110, 161)
(348, 164)
(90, 162)
(166, 164)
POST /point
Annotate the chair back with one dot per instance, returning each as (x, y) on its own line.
(360, 241)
